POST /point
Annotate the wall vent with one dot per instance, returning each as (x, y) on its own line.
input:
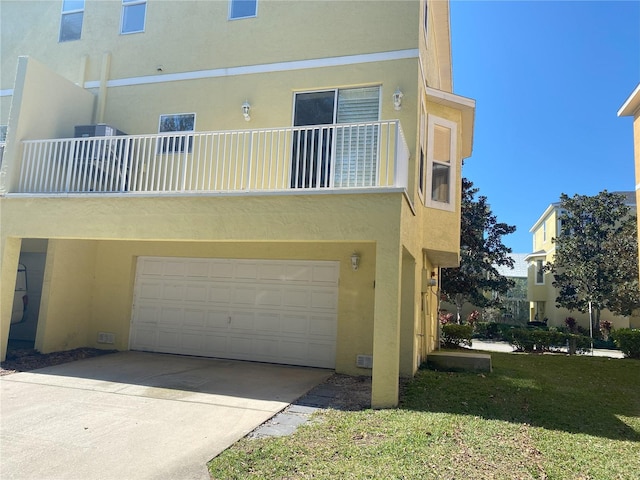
(364, 361)
(104, 337)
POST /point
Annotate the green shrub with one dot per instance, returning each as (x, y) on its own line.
(454, 335)
(628, 340)
(544, 340)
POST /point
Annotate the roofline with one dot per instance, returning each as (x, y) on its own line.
(546, 213)
(631, 106)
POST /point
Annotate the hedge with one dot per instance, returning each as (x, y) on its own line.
(628, 340)
(454, 335)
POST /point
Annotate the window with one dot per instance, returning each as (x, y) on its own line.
(178, 143)
(134, 13)
(3, 133)
(71, 20)
(426, 20)
(242, 9)
(344, 155)
(544, 231)
(441, 162)
(423, 158)
(539, 272)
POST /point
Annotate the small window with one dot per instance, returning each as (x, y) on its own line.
(178, 143)
(71, 20)
(3, 133)
(426, 20)
(441, 162)
(539, 272)
(242, 9)
(544, 231)
(134, 13)
(423, 158)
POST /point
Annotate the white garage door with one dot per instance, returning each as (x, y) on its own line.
(264, 310)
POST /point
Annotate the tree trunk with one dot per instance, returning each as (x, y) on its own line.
(459, 303)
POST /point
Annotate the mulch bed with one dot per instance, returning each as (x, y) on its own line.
(24, 360)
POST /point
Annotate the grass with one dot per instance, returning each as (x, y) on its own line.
(534, 417)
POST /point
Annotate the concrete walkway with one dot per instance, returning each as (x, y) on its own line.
(137, 415)
(489, 346)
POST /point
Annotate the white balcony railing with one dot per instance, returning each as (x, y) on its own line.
(308, 158)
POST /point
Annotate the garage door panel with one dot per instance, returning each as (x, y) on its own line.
(264, 310)
(220, 294)
(149, 290)
(195, 317)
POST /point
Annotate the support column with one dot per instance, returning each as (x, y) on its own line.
(9, 259)
(386, 327)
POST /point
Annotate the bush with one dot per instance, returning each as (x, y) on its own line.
(539, 340)
(454, 335)
(628, 340)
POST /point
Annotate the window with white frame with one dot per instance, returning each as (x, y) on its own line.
(71, 20)
(134, 13)
(539, 272)
(441, 163)
(179, 142)
(242, 9)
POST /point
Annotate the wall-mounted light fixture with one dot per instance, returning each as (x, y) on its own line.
(246, 108)
(433, 281)
(397, 99)
(355, 261)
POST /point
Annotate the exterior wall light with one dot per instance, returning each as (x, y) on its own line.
(397, 99)
(246, 108)
(355, 261)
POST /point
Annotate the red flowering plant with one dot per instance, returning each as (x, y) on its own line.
(473, 317)
(605, 329)
(445, 317)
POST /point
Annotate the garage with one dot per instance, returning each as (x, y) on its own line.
(277, 311)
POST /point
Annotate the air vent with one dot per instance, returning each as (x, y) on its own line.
(364, 361)
(104, 337)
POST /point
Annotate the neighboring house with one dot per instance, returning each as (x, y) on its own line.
(631, 108)
(541, 292)
(514, 308)
(287, 188)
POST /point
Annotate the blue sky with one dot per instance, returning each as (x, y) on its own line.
(548, 78)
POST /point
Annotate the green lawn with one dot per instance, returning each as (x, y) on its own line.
(535, 416)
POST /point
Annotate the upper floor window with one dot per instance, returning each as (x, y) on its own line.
(71, 20)
(242, 9)
(134, 13)
(426, 20)
(539, 272)
(544, 231)
(423, 158)
(178, 143)
(441, 163)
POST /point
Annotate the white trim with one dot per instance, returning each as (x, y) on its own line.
(261, 68)
(6, 93)
(637, 186)
(631, 104)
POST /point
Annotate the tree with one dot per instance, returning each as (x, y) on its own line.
(481, 251)
(596, 256)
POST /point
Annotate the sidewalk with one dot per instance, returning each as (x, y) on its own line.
(490, 346)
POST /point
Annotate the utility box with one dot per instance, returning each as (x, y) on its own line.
(97, 130)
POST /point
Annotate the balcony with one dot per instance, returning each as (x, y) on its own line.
(321, 157)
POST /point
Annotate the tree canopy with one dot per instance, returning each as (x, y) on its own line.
(481, 251)
(596, 255)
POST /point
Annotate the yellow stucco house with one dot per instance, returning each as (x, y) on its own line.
(257, 180)
(540, 290)
(631, 108)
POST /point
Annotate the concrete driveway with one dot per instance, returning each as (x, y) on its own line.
(137, 415)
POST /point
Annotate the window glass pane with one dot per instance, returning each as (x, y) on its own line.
(69, 5)
(314, 108)
(243, 8)
(3, 133)
(440, 183)
(176, 123)
(133, 18)
(71, 26)
(442, 144)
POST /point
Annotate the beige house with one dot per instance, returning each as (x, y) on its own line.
(257, 180)
(540, 290)
(631, 108)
